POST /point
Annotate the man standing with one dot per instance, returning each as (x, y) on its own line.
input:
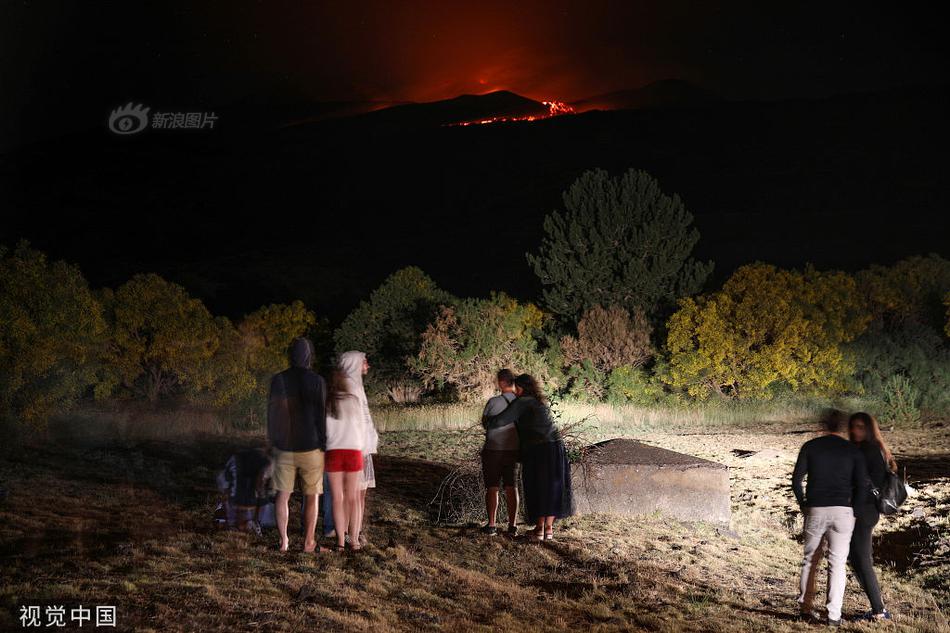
(296, 430)
(837, 481)
(500, 456)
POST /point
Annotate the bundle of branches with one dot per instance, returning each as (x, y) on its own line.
(460, 499)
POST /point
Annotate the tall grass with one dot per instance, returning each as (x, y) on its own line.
(607, 419)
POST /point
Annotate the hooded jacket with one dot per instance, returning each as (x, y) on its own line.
(296, 406)
(351, 364)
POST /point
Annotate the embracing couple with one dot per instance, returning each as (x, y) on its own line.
(846, 470)
(519, 428)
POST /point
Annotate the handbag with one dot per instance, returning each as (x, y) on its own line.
(892, 495)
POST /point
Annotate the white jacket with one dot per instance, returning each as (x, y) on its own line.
(347, 430)
(351, 363)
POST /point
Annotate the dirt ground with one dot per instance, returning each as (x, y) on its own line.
(101, 522)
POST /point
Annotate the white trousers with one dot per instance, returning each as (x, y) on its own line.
(826, 528)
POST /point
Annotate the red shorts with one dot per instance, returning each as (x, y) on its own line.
(343, 460)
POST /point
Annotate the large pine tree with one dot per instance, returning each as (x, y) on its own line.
(621, 242)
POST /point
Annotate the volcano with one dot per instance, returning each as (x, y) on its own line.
(468, 108)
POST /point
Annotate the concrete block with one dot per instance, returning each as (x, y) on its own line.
(628, 477)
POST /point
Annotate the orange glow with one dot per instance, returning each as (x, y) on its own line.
(555, 108)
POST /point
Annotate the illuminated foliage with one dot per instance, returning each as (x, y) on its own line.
(468, 343)
(619, 241)
(765, 328)
(252, 352)
(609, 338)
(911, 290)
(52, 333)
(163, 339)
(388, 327)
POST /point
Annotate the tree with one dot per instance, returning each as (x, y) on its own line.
(619, 241)
(388, 327)
(163, 339)
(268, 332)
(468, 343)
(766, 327)
(609, 338)
(52, 334)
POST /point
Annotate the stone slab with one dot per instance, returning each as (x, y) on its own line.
(628, 477)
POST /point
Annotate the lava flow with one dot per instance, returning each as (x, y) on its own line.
(555, 108)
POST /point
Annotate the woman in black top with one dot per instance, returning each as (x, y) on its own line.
(866, 433)
(546, 470)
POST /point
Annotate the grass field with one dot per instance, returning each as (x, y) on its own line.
(96, 517)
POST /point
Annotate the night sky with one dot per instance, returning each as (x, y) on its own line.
(825, 141)
(64, 62)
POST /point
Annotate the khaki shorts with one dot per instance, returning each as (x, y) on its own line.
(308, 463)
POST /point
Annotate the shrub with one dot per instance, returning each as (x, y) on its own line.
(619, 241)
(901, 400)
(916, 352)
(609, 338)
(584, 382)
(52, 335)
(633, 385)
(469, 342)
(910, 290)
(388, 327)
(766, 326)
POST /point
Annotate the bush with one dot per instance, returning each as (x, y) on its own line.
(633, 385)
(619, 241)
(609, 338)
(468, 343)
(910, 290)
(52, 336)
(901, 400)
(917, 353)
(584, 382)
(389, 326)
(766, 327)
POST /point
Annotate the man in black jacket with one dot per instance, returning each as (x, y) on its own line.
(296, 430)
(837, 481)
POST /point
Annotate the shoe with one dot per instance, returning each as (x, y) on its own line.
(512, 531)
(808, 617)
(489, 530)
(834, 623)
(870, 616)
(535, 536)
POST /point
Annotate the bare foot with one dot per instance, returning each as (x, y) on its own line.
(310, 547)
(284, 546)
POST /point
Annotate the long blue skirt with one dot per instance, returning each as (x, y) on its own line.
(546, 474)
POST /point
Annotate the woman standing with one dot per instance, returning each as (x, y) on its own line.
(354, 366)
(546, 470)
(865, 432)
(343, 463)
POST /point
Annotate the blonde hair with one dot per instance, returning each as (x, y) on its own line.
(870, 423)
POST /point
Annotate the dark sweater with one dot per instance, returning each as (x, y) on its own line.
(530, 417)
(296, 411)
(877, 472)
(836, 471)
